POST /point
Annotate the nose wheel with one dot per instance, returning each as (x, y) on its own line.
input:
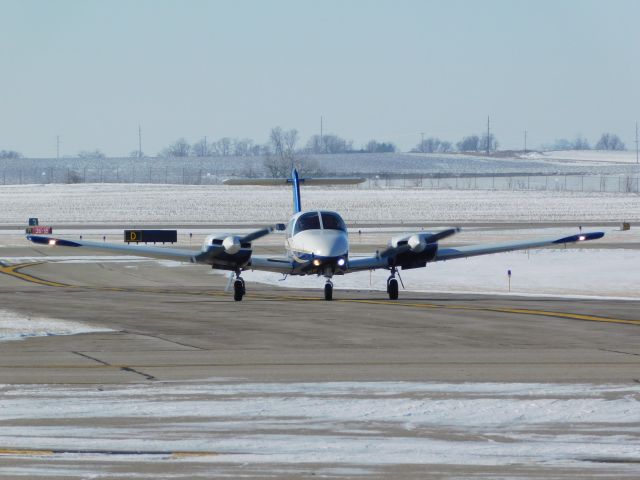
(328, 290)
(392, 286)
(238, 289)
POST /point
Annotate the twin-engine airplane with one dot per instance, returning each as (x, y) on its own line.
(317, 243)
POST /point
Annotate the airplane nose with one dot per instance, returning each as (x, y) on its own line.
(336, 246)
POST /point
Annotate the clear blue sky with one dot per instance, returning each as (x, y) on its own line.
(91, 71)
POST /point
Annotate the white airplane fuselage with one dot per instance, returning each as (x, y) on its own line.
(319, 239)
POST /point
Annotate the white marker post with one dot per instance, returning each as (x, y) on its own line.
(509, 275)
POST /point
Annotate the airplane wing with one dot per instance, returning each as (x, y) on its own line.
(271, 264)
(137, 250)
(386, 258)
(485, 249)
(218, 255)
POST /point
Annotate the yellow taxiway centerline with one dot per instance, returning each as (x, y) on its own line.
(14, 271)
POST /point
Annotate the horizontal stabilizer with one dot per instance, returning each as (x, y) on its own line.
(274, 182)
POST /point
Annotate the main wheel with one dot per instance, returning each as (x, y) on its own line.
(392, 288)
(328, 291)
(238, 290)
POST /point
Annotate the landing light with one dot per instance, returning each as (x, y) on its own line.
(316, 262)
(581, 238)
(341, 262)
(52, 242)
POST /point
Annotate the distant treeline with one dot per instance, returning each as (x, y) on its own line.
(281, 141)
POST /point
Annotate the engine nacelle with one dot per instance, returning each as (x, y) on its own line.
(416, 242)
(231, 243)
(420, 250)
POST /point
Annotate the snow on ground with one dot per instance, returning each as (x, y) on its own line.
(560, 272)
(589, 156)
(570, 272)
(15, 326)
(345, 423)
(148, 204)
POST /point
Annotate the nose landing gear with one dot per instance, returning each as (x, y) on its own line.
(328, 290)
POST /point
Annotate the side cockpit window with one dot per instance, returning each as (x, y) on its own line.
(333, 221)
(307, 221)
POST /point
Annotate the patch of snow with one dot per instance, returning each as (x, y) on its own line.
(349, 423)
(15, 326)
(588, 272)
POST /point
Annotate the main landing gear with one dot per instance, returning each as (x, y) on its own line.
(392, 285)
(328, 290)
(238, 288)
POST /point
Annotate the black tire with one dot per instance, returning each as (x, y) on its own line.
(238, 290)
(392, 288)
(328, 291)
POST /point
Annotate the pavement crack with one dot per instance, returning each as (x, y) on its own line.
(619, 351)
(123, 369)
(92, 358)
(133, 370)
(159, 337)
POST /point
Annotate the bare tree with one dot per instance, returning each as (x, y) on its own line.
(223, 146)
(328, 143)
(380, 147)
(10, 154)
(281, 155)
(433, 145)
(609, 141)
(202, 149)
(488, 143)
(469, 144)
(180, 148)
(242, 147)
(446, 147)
(580, 143)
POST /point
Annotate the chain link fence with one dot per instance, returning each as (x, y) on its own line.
(187, 175)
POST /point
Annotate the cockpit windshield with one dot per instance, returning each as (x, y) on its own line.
(307, 221)
(332, 221)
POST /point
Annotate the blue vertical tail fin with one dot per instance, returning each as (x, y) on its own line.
(295, 180)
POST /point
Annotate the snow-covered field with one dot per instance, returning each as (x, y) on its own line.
(180, 205)
(359, 424)
(15, 326)
(589, 156)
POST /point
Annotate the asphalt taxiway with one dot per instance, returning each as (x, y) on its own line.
(176, 324)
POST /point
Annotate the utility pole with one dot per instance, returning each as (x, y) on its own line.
(139, 141)
(321, 140)
(637, 142)
(525, 142)
(422, 142)
(57, 147)
(488, 136)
